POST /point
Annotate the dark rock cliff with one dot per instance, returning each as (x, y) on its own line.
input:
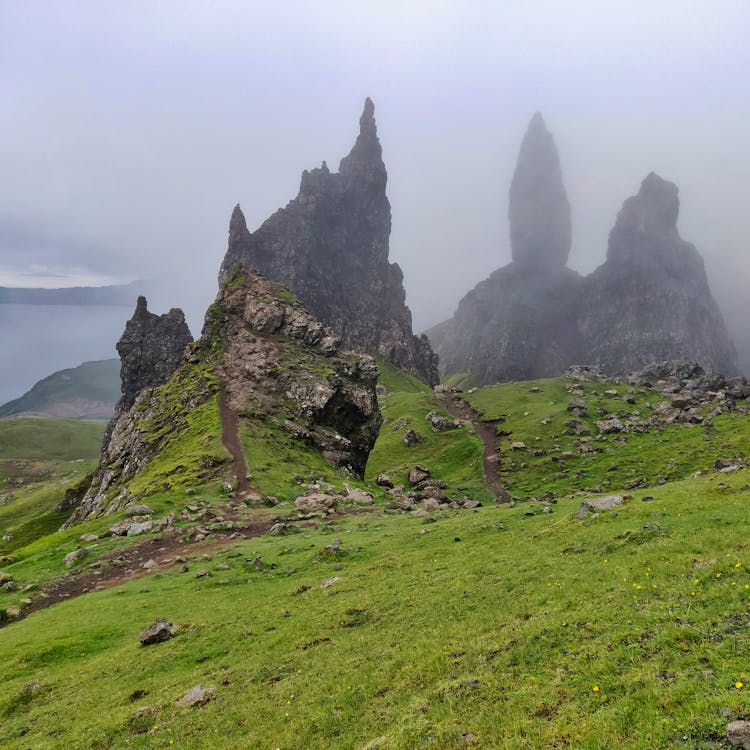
(276, 368)
(520, 323)
(150, 349)
(534, 318)
(330, 246)
(650, 300)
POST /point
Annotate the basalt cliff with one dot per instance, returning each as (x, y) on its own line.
(650, 300)
(330, 247)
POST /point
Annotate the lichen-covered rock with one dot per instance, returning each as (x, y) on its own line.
(650, 301)
(330, 247)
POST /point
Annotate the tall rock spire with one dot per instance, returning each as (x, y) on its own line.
(539, 211)
(330, 247)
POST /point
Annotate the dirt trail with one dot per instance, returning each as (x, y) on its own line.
(121, 566)
(230, 437)
(487, 431)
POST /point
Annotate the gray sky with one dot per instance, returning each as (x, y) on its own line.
(128, 131)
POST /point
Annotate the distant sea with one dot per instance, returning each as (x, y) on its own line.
(37, 340)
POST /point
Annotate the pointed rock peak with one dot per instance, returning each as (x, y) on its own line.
(367, 120)
(141, 307)
(237, 225)
(366, 157)
(539, 211)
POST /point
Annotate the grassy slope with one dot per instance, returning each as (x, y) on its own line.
(490, 630)
(39, 460)
(454, 456)
(92, 381)
(502, 635)
(672, 453)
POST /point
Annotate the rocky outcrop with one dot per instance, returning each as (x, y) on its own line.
(150, 349)
(650, 300)
(520, 323)
(280, 373)
(282, 365)
(534, 318)
(330, 247)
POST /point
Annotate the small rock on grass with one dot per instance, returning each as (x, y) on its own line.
(160, 630)
(738, 734)
(329, 582)
(196, 696)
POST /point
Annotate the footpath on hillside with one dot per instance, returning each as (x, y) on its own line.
(230, 437)
(487, 431)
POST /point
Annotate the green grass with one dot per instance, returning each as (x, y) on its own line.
(488, 628)
(455, 456)
(45, 439)
(674, 452)
(502, 635)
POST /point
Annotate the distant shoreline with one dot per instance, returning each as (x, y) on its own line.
(114, 295)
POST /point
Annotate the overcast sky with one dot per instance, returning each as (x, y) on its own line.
(128, 130)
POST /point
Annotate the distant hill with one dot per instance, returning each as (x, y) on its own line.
(121, 294)
(88, 391)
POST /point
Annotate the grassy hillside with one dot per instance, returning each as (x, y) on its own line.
(88, 391)
(535, 414)
(39, 460)
(500, 627)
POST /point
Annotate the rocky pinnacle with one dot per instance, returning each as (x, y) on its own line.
(539, 211)
(330, 246)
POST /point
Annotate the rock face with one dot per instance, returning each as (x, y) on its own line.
(650, 300)
(534, 318)
(520, 323)
(330, 247)
(150, 349)
(277, 369)
(283, 365)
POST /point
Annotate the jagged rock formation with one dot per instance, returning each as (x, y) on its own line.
(279, 372)
(534, 318)
(519, 323)
(650, 300)
(330, 247)
(150, 349)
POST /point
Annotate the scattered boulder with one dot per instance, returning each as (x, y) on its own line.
(412, 437)
(160, 630)
(196, 696)
(518, 445)
(609, 426)
(75, 556)
(440, 423)
(726, 465)
(315, 501)
(418, 474)
(738, 734)
(595, 504)
(358, 496)
(329, 582)
(382, 480)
